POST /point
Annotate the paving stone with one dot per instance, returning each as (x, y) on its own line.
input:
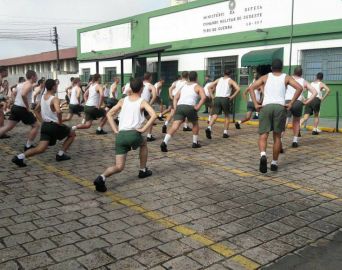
(139, 230)
(245, 241)
(294, 240)
(278, 247)
(95, 259)
(91, 244)
(44, 233)
(145, 242)
(323, 226)
(69, 226)
(127, 264)
(216, 267)
(22, 227)
(115, 225)
(135, 220)
(64, 253)
(263, 234)
(46, 222)
(182, 263)
(175, 248)
(39, 246)
(205, 256)
(12, 253)
(151, 257)
(35, 261)
(113, 215)
(309, 233)
(260, 255)
(92, 232)
(68, 265)
(121, 251)
(166, 235)
(10, 265)
(92, 220)
(66, 239)
(117, 237)
(279, 227)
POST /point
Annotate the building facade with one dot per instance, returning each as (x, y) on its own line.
(209, 36)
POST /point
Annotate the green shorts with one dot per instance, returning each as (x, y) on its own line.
(128, 140)
(209, 102)
(250, 107)
(296, 110)
(313, 107)
(93, 113)
(75, 108)
(52, 132)
(272, 117)
(186, 111)
(222, 104)
(111, 102)
(19, 113)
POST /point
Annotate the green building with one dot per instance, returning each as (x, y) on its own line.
(209, 36)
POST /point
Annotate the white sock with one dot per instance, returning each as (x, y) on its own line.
(73, 128)
(209, 118)
(160, 115)
(83, 121)
(103, 177)
(60, 153)
(209, 127)
(225, 131)
(143, 170)
(295, 139)
(274, 162)
(167, 138)
(263, 154)
(149, 135)
(166, 123)
(239, 122)
(257, 114)
(185, 125)
(21, 156)
(99, 128)
(195, 138)
(29, 143)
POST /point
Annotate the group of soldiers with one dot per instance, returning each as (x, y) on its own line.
(275, 96)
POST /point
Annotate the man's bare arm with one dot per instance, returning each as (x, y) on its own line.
(327, 91)
(110, 116)
(146, 106)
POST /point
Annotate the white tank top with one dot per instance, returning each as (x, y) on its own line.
(47, 114)
(126, 88)
(275, 89)
(206, 89)
(223, 88)
(73, 98)
(146, 93)
(116, 91)
(317, 86)
(19, 99)
(290, 91)
(188, 95)
(157, 85)
(106, 92)
(131, 115)
(179, 86)
(257, 95)
(94, 96)
(38, 97)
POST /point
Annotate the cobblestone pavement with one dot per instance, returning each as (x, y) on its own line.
(205, 208)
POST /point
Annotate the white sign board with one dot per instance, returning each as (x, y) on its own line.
(109, 38)
(238, 16)
(218, 19)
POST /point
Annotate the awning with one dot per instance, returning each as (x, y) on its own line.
(261, 57)
(127, 54)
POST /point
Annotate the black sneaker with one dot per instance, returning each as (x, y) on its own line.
(144, 174)
(263, 164)
(5, 136)
(225, 136)
(294, 145)
(62, 157)
(116, 121)
(160, 118)
(196, 145)
(151, 139)
(274, 167)
(187, 129)
(299, 134)
(100, 185)
(237, 125)
(282, 150)
(315, 133)
(27, 148)
(164, 129)
(208, 133)
(19, 162)
(163, 147)
(101, 132)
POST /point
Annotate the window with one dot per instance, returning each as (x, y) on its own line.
(217, 66)
(110, 73)
(86, 74)
(328, 61)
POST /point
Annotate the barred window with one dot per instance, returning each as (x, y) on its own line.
(110, 73)
(217, 66)
(328, 61)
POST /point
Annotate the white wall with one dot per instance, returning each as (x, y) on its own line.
(104, 64)
(64, 82)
